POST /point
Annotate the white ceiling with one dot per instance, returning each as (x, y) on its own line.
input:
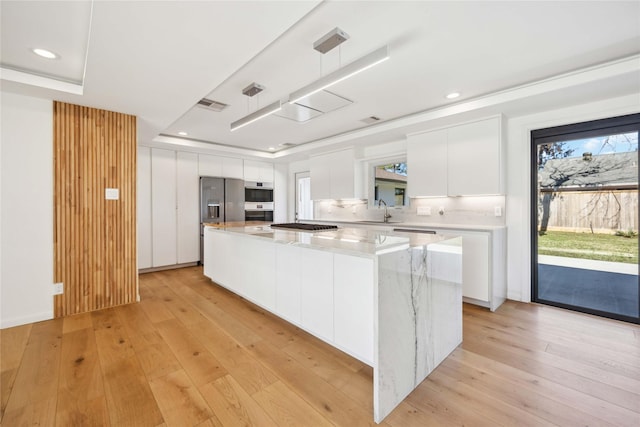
(157, 59)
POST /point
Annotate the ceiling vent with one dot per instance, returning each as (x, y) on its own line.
(210, 104)
(371, 119)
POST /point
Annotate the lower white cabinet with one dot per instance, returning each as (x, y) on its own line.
(483, 266)
(288, 278)
(327, 294)
(353, 283)
(316, 293)
(244, 266)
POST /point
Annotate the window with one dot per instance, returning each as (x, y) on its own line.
(390, 183)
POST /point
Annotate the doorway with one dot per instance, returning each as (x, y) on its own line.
(585, 217)
(304, 204)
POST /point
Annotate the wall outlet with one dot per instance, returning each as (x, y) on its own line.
(497, 211)
(424, 210)
(58, 288)
(441, 210)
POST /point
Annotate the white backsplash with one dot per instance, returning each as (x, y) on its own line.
(471, 210)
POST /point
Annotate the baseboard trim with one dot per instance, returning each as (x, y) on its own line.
(167, 267)
(23, 320)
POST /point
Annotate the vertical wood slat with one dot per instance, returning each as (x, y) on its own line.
(94, 239)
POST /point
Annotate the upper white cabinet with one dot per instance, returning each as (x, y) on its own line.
(226, 167)
(457, 161)
(426, 168)
(188, 204)
(209, 165)
(258, 171)
(232, 168)
(475, 147)
(334, 176)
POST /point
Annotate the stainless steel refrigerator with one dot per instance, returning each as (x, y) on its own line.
(221, 200)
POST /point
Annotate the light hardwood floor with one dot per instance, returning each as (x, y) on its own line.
(192, 353)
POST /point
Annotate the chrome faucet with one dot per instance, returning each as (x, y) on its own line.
(387, 215)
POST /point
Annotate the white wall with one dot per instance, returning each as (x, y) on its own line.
(518, 203)
(26, 210)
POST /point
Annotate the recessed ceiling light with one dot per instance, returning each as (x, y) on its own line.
(453, 95)
(44, 53)
(182, 133)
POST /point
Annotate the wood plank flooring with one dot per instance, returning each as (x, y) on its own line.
(193, 354)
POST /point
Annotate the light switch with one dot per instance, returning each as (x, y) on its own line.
(497, 211)
(111, 193)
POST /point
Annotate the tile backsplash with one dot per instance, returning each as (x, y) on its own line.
(470, 210)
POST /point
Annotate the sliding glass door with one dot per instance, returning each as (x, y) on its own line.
(585, 217)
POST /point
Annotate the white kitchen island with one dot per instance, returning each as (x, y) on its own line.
(391, 300)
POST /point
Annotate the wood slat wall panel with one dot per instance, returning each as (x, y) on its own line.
(94, 239)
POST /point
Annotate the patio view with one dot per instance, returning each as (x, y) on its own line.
(587, 224)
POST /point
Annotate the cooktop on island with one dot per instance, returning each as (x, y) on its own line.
(304, 226)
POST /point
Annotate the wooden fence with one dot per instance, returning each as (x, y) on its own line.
(594, 211)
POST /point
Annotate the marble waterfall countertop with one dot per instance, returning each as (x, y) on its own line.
(350, 240)
(391, 299)
(401, 224)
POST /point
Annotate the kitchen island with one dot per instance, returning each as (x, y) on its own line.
(392, 300)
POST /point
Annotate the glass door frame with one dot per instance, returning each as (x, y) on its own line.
(593, 128)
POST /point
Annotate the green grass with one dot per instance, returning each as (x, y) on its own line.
(602, 247)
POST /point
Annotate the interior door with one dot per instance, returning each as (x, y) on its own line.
(585, 217)
(304, 204)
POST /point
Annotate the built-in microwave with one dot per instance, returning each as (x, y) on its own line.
(258, 192)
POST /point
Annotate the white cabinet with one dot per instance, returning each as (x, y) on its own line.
(209, 165)
(188, 205)
(475, 147)
(251, 275)
(335, 176)
(353, 305)
(232, 168)
(258, 171)
(163, 207)
(224, 167)
(288, 278)
(143, 207)
(456, 161)
(426, 164)
(316, 293)
(168, 208)
(483, 266)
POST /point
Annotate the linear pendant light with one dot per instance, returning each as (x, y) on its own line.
(256, 115)
(364, 63)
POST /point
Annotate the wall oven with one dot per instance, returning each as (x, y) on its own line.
(258, 192)
(254, 211)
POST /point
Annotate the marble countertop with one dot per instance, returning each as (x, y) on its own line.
(418, 225)
(360, 241)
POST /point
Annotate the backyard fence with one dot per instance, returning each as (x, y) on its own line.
(594, 211)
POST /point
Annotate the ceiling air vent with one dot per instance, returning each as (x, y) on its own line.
(371, 119)
(210, 104)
